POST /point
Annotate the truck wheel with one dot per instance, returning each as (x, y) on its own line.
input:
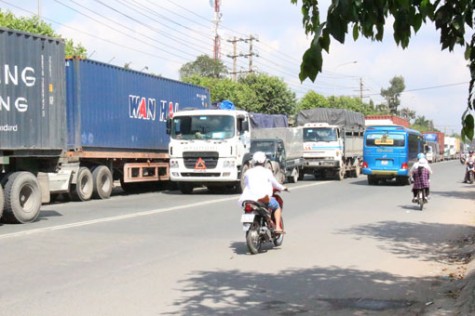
(340, 174)
(82, 190)
(185, 188)
(294, 177)
(103, 183)
(22, 198)
(241, 185)
(357, 171)
(2, 201)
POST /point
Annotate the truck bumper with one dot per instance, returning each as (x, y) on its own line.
(321, 164)
(204, 175)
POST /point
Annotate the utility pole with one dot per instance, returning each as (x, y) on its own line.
(249, 55)
(217, 39)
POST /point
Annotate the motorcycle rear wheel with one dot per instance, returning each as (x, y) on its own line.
(279, 239)
(420, 199)
(253, 240)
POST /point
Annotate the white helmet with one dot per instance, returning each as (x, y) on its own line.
(259, 157)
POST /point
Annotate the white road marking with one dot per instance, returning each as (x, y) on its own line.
(128, 216)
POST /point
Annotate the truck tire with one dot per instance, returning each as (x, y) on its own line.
(357, 171)
(185, 188)
(82, 190)
(2, 201)
(22, 198)
(241, 185)
(294, 177)
(340, 175)
(103, 183)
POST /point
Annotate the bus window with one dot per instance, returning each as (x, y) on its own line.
(386, 139)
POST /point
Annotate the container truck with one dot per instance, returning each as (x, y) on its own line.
(75, 127)
(439, 138)
(450, 147)
(333, 142)
(383, 119)
(208, 147)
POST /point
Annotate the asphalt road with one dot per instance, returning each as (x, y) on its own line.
(350, 249)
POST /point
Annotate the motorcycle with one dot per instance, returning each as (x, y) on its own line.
(470, 172)
(421, 198)
(259, 224)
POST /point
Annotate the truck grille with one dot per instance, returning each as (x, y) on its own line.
(209, 158)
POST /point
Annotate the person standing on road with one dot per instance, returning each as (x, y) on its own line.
(259, 185)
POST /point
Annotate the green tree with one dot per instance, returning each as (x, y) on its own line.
(203, 66)
(368, 18)
(267, 94)
(421, 123)
(393, 93)
(407, 113)
(220, 89)
(313, 100)
(36, 26)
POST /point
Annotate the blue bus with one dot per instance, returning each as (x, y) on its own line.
(389, 152)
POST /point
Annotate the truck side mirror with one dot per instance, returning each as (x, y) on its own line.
(169, 126)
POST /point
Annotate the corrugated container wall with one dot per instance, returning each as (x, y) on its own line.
(112, 108)
(32, 92)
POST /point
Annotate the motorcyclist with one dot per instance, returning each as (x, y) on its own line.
(470, 158)
(259, 185)
(420, 173)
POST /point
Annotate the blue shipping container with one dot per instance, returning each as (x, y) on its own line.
(115, 109)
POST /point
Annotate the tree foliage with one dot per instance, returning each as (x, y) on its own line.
(203, 66)
(367, 18)
(37, 26)
(393, 92)
(267, 94)
(255, 93)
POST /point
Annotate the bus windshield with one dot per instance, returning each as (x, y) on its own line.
(385, 139)
(203, 127)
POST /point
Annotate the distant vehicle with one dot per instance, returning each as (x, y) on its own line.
(333, 142)
(432, 152)
(284, 149)
(389, 152)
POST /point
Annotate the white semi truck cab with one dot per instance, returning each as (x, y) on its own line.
(207, 148)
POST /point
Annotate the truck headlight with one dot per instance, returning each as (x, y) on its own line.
(173, 163)
(229, 164)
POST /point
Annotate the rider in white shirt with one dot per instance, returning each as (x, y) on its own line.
(259, 185)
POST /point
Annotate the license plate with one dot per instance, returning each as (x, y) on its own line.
(247, 218)
(384, 162)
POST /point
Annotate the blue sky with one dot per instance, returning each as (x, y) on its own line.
(160, 36)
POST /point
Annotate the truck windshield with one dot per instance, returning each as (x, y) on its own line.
(203, 127)
(319, 134)
(386, 139)
(262, 145)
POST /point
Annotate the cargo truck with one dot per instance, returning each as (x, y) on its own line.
(283, 147)
(75, 127)
(333, 142)
(208, 147)
(439, 138)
